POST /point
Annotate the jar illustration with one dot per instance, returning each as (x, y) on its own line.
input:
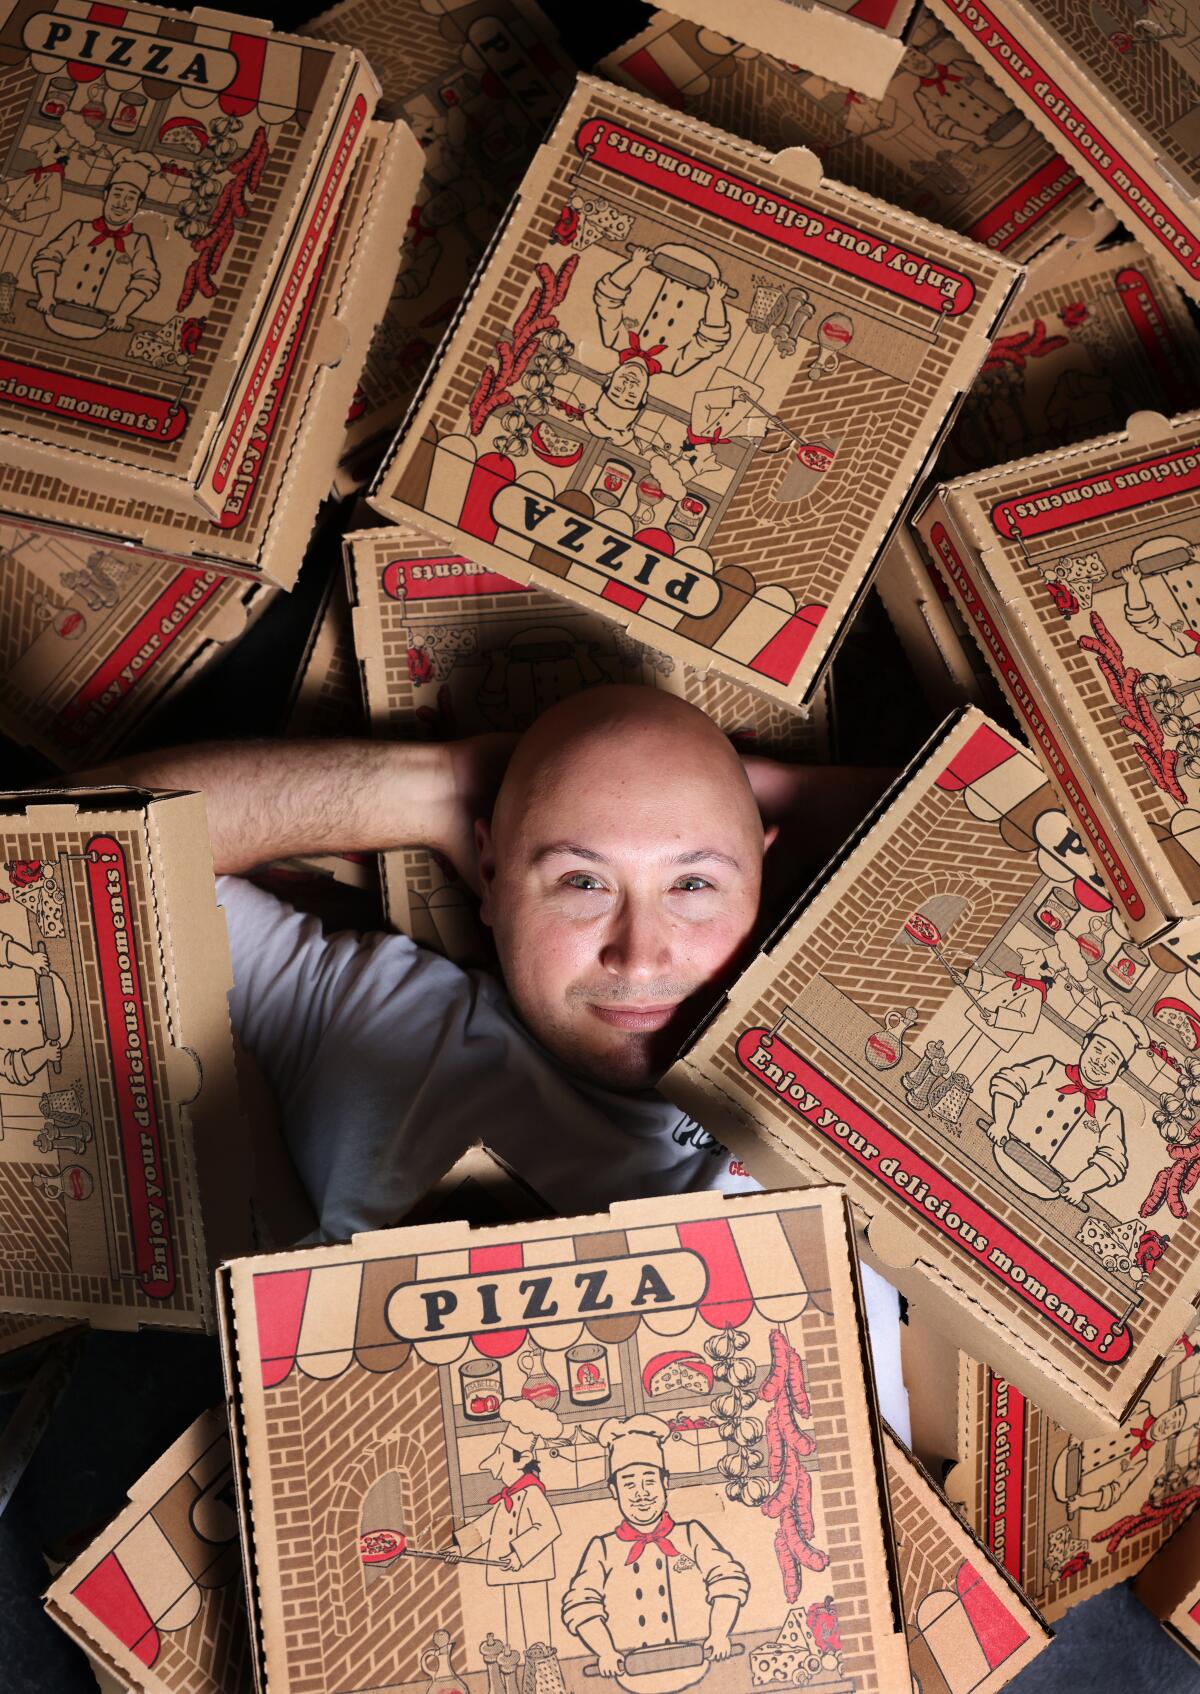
(610, 482)
(128, 113)
(480, 1389)
(1056, 910)
(437, 1661)
(684, 522)
(588, 1381)
(885, 1047)
(1124, 970)
(1091, 945)
(94, 109)
(58, 96)
(538, 1386)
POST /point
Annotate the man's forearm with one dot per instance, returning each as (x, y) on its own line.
(275, 799)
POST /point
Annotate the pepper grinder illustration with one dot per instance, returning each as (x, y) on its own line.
(509, 1662)
(436, 1662)
(918, 1081)
(538, 1386)
(490, 1650)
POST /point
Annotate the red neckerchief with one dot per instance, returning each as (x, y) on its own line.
(1143, 1439)
(1018, 981)
(716, 439)
(416, 228)
(942, 74)
(171, 169)
(1193, 636)
(507, 1492)
(648, 355)
(1076, 1086)
(643, 1538)
(37, 172)
(104, 232)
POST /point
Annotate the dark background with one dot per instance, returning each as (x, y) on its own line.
(130, 1396)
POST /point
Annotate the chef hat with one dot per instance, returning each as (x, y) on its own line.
(633, 1441)
(538, 1423)
(1125, 1033)
(134, 171)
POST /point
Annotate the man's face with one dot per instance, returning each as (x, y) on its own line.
(621, 896)
(503, 1462)
(120, 203)
(1100, 1062)
(627, 385)
(641, 1494)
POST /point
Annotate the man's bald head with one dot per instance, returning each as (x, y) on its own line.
(621, 875)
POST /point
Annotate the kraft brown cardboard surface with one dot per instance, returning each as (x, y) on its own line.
(970, 1629)
(448, 648)
(290, 452)
(832, 37)
(121, 1155)
(1170, 1587)
(942, 141)
(1117, 89)
(1088, 339)
(1066, 1515)
(157, 1600)
(479, 83)
(931, 1030)
(1074, 572)
(622, 415)
(170, 183)
(746, 1386)
(94, 637)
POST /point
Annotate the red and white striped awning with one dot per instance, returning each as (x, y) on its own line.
(320, 1320)
(267, 79)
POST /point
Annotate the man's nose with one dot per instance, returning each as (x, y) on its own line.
(638, 943)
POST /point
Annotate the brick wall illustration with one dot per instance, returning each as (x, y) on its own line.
(25, 606)
(212, 1655)
(35, 1229)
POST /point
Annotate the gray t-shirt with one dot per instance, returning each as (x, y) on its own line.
(387, 1062)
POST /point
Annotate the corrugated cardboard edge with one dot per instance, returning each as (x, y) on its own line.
(1034, 695)
(1015, 1600)
(813, 36)
(236, 1300)
(929, 1363)
(994, 300)
(110, 1658)
(926, 632)
(1014, 25)
(1169, 1586)
(777, 1164)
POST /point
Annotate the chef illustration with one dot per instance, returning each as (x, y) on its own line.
(1092, 1474)
(615, 408)
(1061, 1113)
(664, 308)
(30, 200)
(959, 103)
(103, 262)
(26, 1047)
(1003, 1007)
(519, 1528)
(652, 1582)
(1155, 612)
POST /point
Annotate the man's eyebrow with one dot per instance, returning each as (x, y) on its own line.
(698, 855)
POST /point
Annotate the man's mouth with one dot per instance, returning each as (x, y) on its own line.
(639, 1019)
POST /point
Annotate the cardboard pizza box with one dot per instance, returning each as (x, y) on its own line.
(713, 476)
(942, 140)
(289, 455)
(17, 1333)
(1118, 91)
(121, 1154)
(1074, 572)
(1088, 338)
(95, 637)
(1066, 1515)
(969, 1627)
(479, 82)
(908, 1032)
(928, 1365)
(1170, 1587)
(171, 184)
(830, 37)
(447, 648)
(378, 1390)
(157, 1601)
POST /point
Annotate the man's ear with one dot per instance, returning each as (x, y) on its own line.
(485, 852)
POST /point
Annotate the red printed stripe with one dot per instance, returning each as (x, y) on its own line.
(1041, 736)
(1064, 505)
(506, 1255)
(279, 1298)
(120, 411)
(129, 1050)
(772, 216)
(1137, 296)
(434, 579)
(1005, 1493)
(138, 652)
(109, 1595)
(645, 68)
(1137, 198)
(937, 1201)
(1047, 188)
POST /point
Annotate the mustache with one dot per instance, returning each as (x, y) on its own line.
(662, 993)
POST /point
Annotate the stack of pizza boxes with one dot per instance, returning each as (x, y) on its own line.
(199, 224)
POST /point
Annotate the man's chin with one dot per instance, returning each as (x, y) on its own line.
(628, 1066)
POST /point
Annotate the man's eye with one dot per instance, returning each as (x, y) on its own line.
(693, 884)
(581, 879)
